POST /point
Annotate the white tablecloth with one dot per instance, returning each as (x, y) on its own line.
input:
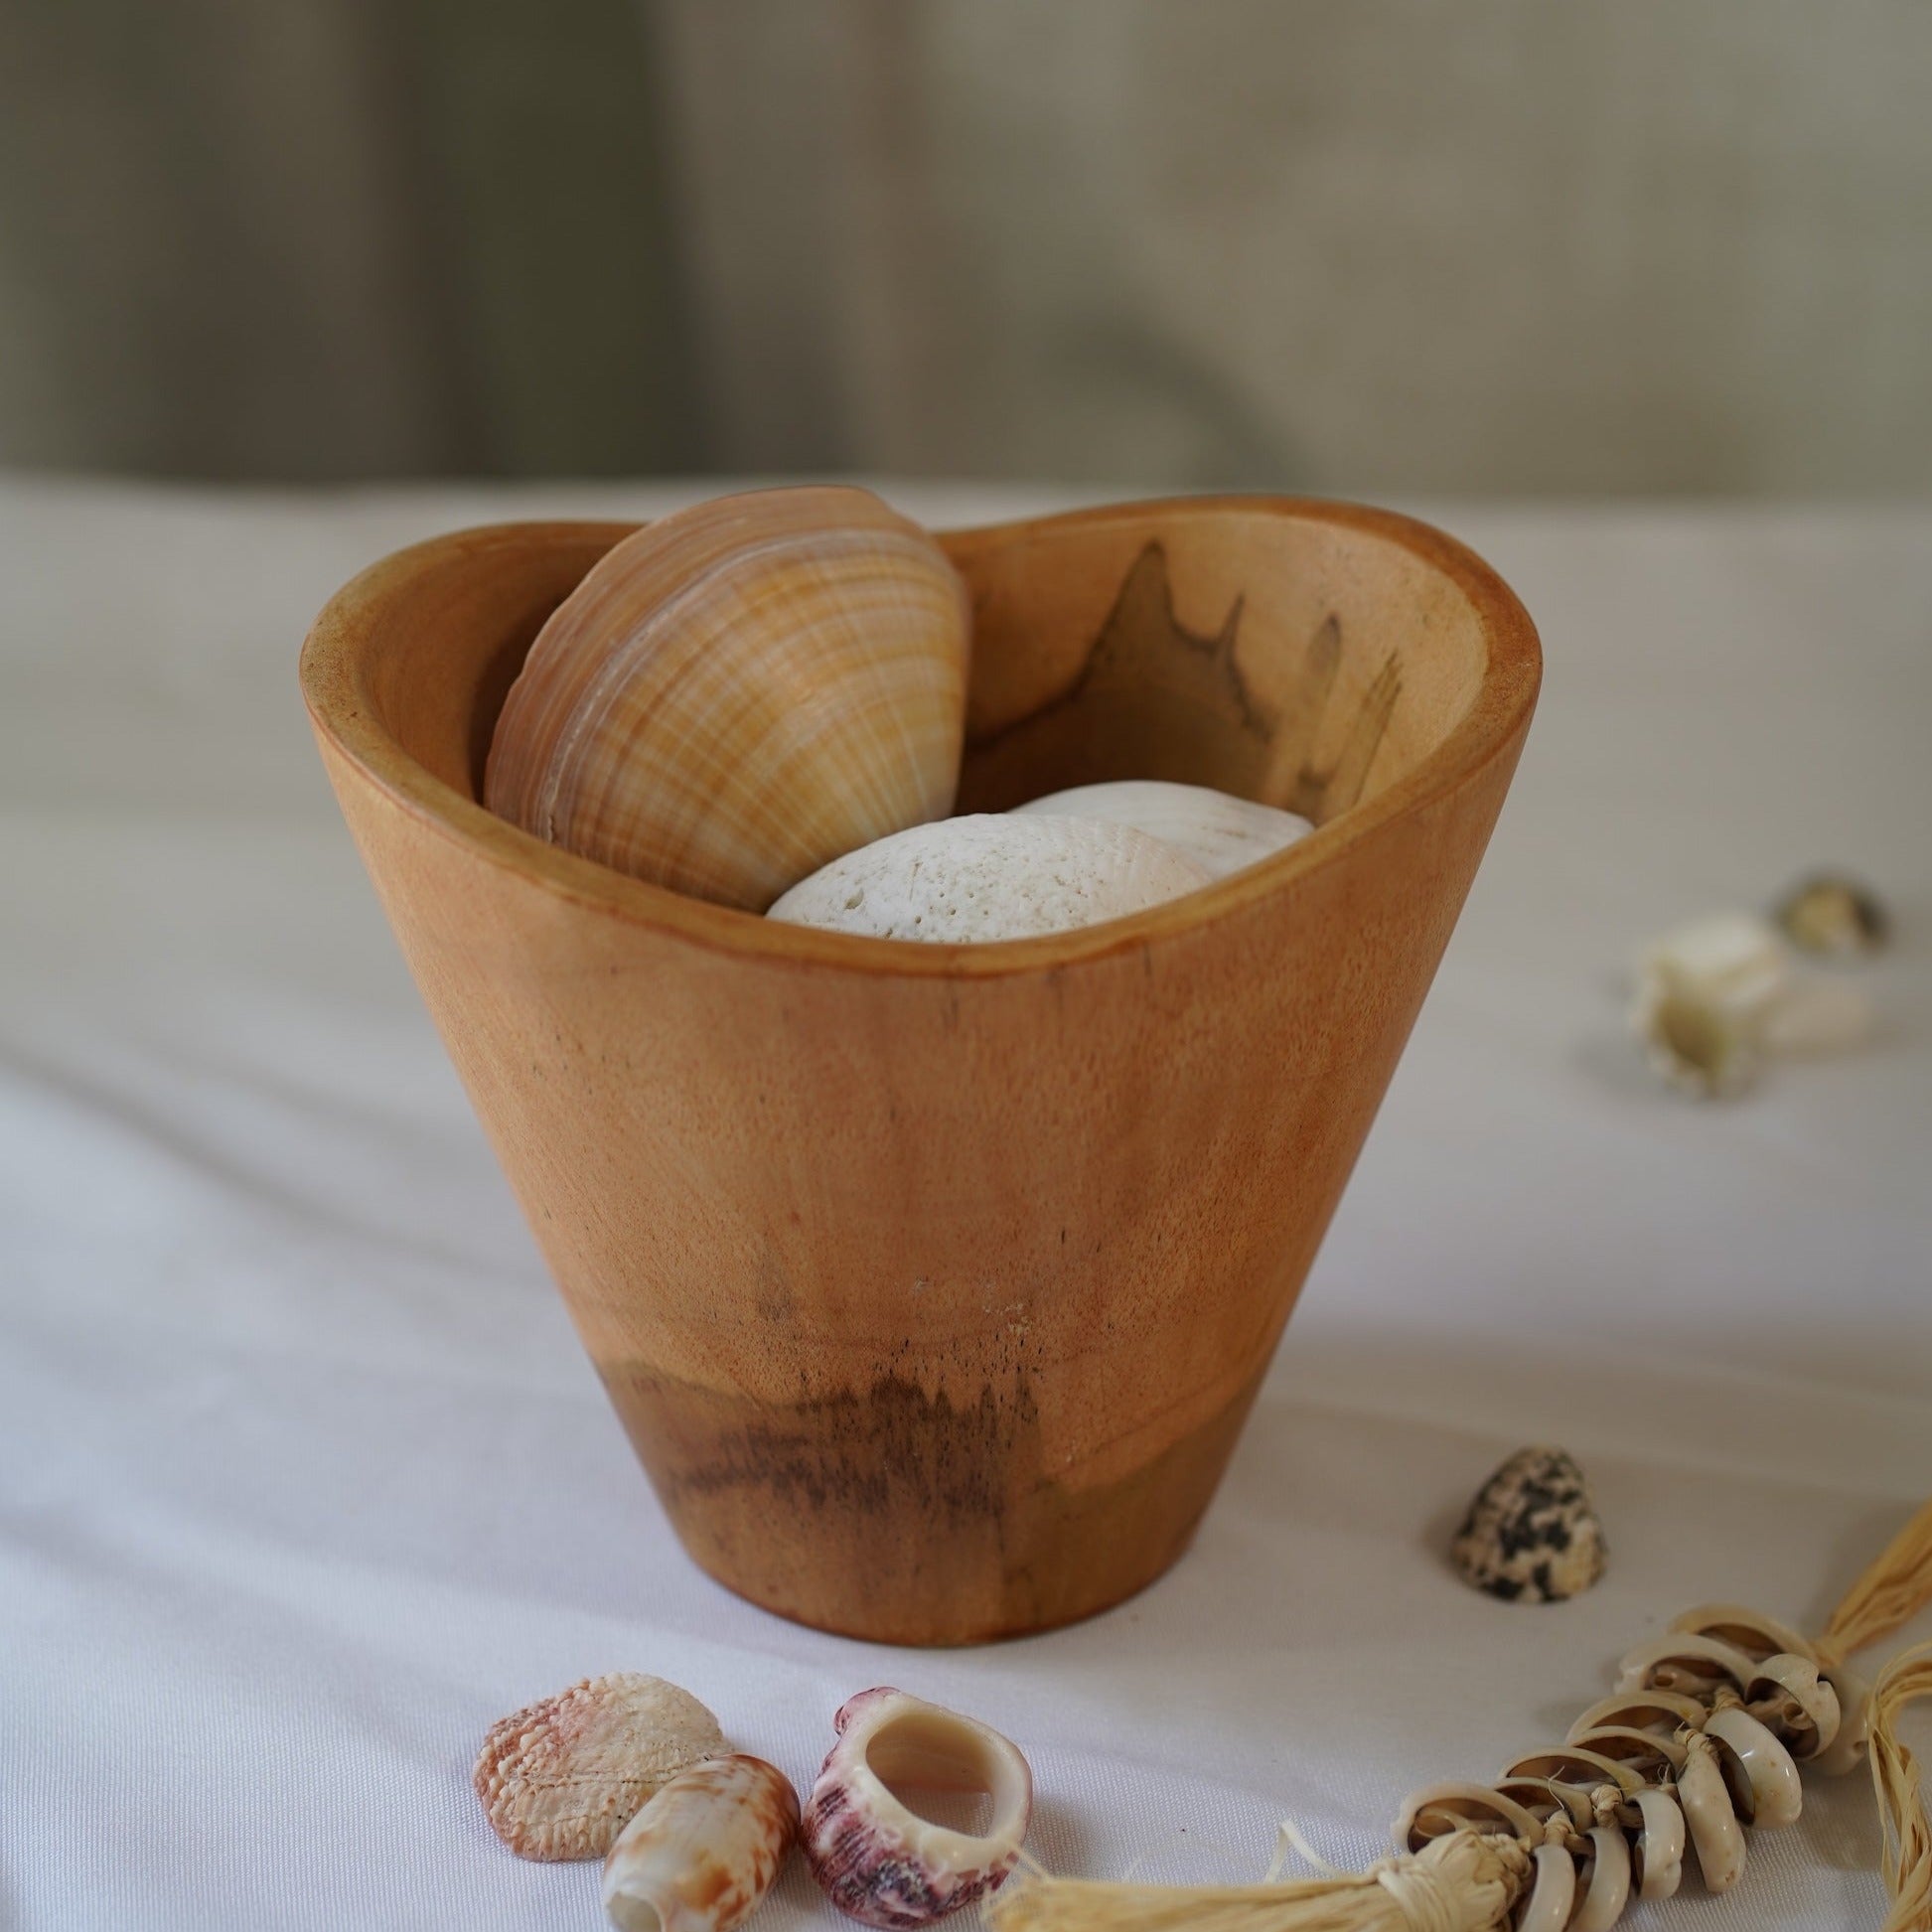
(306, 1481)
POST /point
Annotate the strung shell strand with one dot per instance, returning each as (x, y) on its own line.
(1703, 1735)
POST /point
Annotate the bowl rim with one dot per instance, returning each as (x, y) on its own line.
(342, 712)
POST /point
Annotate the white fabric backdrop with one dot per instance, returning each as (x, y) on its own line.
(305, 1480)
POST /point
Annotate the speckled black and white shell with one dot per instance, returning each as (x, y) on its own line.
(1532, 1533)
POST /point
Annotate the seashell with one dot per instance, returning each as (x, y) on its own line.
(880, 1860)
(1846, 1749)
(704, 1851)
(1552, 1891)
(1660, 1712)
(1830, 913)
(563, 1776)
(1544, 1798)
(1603, 1878)
(1439, 1809)
(1218, 830)
(1532, 1533)
(1657, 1856)
(1793, 1700)
(1703, 993)
(740, 692)
(1760, 1773)
(1577, 1765)
(1692, 1664)
(1654, 1759)
(1709, 1816)
(991, 876)
(1751, 1631)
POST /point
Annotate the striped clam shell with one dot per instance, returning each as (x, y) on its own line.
(740, 692)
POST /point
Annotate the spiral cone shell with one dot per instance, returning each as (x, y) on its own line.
(741, 692)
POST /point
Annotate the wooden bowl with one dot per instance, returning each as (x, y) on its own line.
(933, 1284)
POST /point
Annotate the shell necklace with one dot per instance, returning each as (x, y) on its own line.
(1705, 1734)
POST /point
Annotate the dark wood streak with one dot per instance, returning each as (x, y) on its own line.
(909, 1492)
(1155, 699)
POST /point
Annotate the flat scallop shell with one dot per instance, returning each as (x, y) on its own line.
(739, 694)
(562, 1777)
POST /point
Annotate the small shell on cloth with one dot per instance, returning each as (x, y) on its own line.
(875, 1856)
(704, 1851)
(1829, 913)
(1532, 1533)
(740, 692)
(1216, 830)
(991, 876)
(562, 1777)
(1704, 993)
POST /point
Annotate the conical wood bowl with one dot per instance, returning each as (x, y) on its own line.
(933, 1284)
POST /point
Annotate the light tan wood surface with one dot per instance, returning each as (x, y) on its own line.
(933, 1284)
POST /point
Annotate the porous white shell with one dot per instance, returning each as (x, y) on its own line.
(561, 1778)
(704, 1851)
(741, 691)
(991, 876)
(876, 1858)
(1216, 830)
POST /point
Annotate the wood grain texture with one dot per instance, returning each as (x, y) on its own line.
(933, 1284)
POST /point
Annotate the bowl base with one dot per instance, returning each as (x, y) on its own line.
(895, 1517)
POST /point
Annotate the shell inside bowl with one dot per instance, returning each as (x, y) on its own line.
(933, 1282)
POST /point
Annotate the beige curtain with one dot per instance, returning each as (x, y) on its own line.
(300, 238)
(1374, 245)
(1354, 246)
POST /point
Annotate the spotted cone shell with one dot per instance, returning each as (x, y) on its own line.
(1532, 1533)
(741, 692)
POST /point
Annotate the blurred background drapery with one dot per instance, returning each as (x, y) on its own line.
(1339, 245)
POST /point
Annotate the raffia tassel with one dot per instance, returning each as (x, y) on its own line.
(1466, 1881)
(1893, 1589)
(1901, 1803)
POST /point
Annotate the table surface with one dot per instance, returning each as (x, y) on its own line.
(306, 1480)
